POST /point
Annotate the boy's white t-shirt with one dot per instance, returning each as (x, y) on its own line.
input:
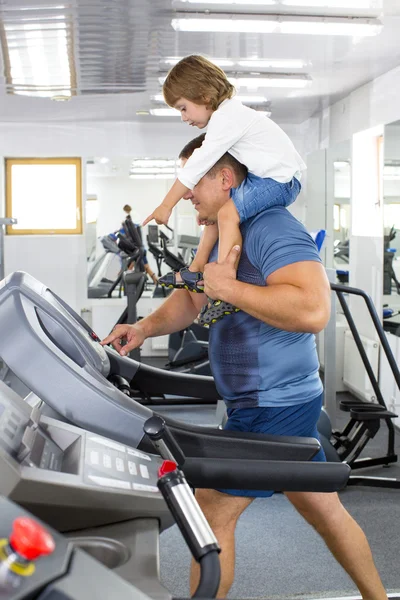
(252, 138)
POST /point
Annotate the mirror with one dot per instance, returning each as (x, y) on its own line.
(391, 216)
(339, 189)
(120, 186)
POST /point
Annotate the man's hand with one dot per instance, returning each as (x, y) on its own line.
(219, 278)
(132, 334)
(161, 215)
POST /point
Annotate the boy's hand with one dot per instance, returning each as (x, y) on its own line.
(161, 215)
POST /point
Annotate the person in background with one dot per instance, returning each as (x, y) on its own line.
(149, 271)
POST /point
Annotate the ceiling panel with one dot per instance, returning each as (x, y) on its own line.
(116, 47)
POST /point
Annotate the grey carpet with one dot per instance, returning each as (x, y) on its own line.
(279, 555)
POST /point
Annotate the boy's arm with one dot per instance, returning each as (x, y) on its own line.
(163, 212)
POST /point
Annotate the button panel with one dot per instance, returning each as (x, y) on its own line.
(113, 465)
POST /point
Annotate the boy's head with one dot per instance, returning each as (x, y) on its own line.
(198, 80)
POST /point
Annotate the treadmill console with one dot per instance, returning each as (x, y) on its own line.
(109, 464)
(55, 446)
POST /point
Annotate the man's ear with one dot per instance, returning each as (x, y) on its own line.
(227, 178)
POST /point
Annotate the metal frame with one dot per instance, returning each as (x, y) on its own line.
(363, 431)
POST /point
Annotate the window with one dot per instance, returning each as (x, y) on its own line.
(45, 195)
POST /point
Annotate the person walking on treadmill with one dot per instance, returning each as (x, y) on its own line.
(202, 93)
(263, 360)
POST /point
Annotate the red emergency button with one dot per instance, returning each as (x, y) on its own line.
(167, 467)
(30, 540)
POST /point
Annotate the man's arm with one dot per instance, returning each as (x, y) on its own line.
(177, 312)
(296, 298)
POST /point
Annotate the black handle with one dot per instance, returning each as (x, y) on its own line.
(163, 441)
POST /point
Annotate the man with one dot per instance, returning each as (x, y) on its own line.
(263, 359)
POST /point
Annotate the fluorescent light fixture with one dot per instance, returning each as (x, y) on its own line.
(151, 170)
(341, 164)
(165, 112)
(221, 62)
(274, 81)
(39, 56)
(332, 3)
(237, 2)
(244, 99)
(156, 176)
(255, 63)
(156, 162)
(273, 63)
(303, 25)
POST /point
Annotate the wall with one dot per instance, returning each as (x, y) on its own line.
(59, 261)
(372, 104)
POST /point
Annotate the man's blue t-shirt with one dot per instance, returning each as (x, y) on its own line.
(253, 363)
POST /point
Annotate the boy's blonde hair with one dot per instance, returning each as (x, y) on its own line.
(198, 80)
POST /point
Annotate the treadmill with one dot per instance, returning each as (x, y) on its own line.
(57, 356)
(103, 494)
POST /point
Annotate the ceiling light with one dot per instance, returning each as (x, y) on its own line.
(156, 176)
(244, 99)
(273, 81)
(229, 23)
(332, 3)
(156, 162)
(242, 2)
(165, 112)
(273, 63)
(39, 57)
(152, 170)
(220, 62)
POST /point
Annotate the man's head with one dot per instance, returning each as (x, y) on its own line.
(213, 190)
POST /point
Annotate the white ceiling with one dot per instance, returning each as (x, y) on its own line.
(118, 45)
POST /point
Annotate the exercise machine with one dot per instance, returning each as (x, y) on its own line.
(366, 418)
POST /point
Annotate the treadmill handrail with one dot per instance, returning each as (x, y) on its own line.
(152, 380)
(280, 476)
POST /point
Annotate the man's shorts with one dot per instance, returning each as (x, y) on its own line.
(299, 420)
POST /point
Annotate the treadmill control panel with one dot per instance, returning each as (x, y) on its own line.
(12, 426)
(114, 465)
(25, 440)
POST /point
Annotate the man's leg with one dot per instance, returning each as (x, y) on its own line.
(344, 538)
(222, 512)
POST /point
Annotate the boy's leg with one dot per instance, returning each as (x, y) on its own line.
(206, 244)
(228, 230)
(222, 511)
(344, 538)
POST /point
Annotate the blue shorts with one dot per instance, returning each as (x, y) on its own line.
(255, 194)
(299, 420)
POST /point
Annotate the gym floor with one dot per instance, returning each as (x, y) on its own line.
(278, 554)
